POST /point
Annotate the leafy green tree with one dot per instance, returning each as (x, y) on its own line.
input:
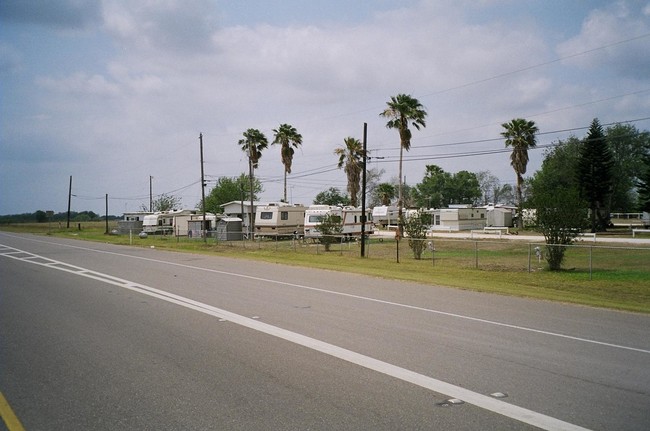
(627, 145)
(331, 196)
(404, 110)
(560, 216)
(464, 188)
(433, 191)
(643, 182)
(289, 139)
(164, 202)
(330, 228)
(351, 160)
(520, 135)
(229, 189)
(560, 213)
(595, 164)
(415, 229)
(253, 143)
(440, 189)
(41, 216)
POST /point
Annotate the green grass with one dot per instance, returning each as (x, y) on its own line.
(609, 277)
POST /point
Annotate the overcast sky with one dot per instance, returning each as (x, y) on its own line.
(112, 92)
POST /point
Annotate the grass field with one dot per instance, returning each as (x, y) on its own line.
(610, 277)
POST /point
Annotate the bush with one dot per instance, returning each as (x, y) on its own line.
(416, 230)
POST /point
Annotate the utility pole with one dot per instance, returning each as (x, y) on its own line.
(106, 233)
(69, 200)
(205, 238)
(363, 191)
(150, 194)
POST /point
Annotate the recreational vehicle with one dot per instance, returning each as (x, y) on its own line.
(173, 222)
(385, 215)
(350, 218)
(279, 219)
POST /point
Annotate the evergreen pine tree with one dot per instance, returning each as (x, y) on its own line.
(595, 165)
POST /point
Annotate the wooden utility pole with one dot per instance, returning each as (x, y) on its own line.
(363, 191)
(106, 233)
(205, 238)
(69, 201)
(150, 194)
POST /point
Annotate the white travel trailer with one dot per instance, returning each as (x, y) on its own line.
(385, 215)
(350, 218)
(172, 222)
(279, 219)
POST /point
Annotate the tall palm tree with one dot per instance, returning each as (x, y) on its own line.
(402, 110)
(520, 135)
(253, 143)
(351, 156)
(288, 138)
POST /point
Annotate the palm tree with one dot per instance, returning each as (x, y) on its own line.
(351, 156)
(288, 138)
(520, 134)
(402, 110)
(385, 192)
(253, 143)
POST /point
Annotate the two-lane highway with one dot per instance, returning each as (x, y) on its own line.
(95, 336)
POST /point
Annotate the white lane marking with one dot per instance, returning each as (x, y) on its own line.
(485, 402)
(364, 298)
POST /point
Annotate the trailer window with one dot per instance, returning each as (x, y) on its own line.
(315, 218)
(266, 215)
(284, 215)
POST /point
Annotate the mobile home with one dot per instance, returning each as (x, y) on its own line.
(350, 218)
(279, 219)
(459, 218)
(171, 222)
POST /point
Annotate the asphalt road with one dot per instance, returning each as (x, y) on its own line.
(100, 337)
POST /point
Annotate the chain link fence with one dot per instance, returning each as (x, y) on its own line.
(491, 255)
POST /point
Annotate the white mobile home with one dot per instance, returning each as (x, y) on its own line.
(279, 219)
(169, 222)
(459, 218)
(350, 218)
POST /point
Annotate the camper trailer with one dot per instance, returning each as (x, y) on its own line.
(385, 215)
(350, 218)
(279, 219)
(173, 222)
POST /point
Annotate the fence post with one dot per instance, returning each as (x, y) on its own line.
(591, 248)
(529, 251)
(476, 253)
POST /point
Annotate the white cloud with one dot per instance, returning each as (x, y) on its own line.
(623, 33)
(176, 71)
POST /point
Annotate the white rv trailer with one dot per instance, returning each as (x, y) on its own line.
(385, 215)
(350, 218)
(172, 222)
(278, 219)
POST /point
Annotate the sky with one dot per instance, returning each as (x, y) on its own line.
(114, 93)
